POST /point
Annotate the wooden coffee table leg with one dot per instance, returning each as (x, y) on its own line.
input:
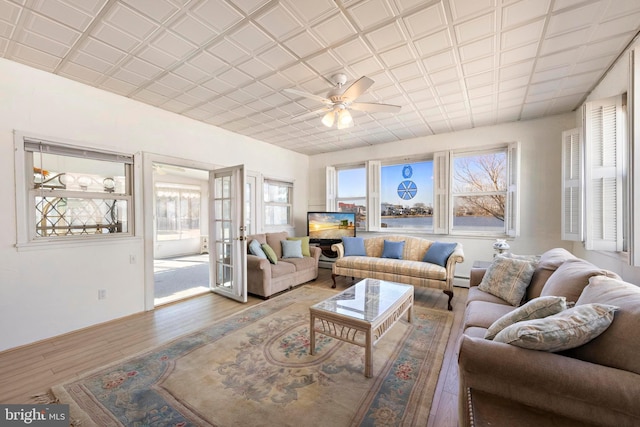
(368, 356)
(333, 277)
(312, 337)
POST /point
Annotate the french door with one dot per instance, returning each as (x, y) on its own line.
(228, 245)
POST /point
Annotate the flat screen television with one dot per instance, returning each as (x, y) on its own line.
(330, 227)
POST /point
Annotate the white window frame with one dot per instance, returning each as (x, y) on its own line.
(25, 210)
(267, 204)
(511, 192)
(415, 159)
(442, 213)
(362, 199)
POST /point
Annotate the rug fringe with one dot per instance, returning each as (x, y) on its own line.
(48, 398)
(45, 398)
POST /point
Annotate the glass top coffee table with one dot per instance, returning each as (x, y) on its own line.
(362, 314)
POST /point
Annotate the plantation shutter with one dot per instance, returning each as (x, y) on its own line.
(603, 175)
(634, 133)
(571, 185)
(512, 220)
(441, 166)
(331, 189)
(374, 168)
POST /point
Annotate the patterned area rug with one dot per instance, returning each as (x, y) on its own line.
(254, 369)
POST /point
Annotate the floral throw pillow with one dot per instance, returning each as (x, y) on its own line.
(568, 329)
(508, 278)
(537, 308)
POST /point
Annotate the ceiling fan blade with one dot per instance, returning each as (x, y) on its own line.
(370, 107)
(357, 88)
(311, 113)
(308, 95)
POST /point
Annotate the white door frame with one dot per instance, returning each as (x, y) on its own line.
(148, 195)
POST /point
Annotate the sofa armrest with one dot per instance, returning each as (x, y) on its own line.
(550, 382)
(456, 256)
(256, 263)
(475, 275)
(339, 248)
(315, 252)
(258, 275)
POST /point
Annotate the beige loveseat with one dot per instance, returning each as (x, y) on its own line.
(265, 279)
(597, 383)
(410, 269)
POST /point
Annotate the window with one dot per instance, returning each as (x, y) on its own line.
(177, 211)
(352, 193)
(76, 192)
(407, 195)
(454, 192)
(277, 203)
(479, 192)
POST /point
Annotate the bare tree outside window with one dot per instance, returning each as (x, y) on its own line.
(480, 191)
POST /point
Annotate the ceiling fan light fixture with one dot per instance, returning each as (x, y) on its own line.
(344, 119)
(329, 119)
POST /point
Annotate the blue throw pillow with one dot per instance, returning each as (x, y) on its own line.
(291, 248)
(255, 249)
(438, 253)
(392, 249)
(353, 246)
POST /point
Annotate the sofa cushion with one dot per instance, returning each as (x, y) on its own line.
(256, 249)
(537, 308)
(547, 264)
(618, 346)
(476, 294)
(270, 253)
(305, 244)
(568, 329)
(392, 249)
(291, 248)
(353, 246)
(274, 239)
(507, 278)
(282, 269)
(392, 266)
(438, 253)
(300, 264)
(483, 314)
(571, 278)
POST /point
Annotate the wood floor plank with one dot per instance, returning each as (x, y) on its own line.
(37, 367)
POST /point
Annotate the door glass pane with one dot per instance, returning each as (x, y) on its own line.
(226, 187)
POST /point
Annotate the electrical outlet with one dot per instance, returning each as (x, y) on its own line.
(132, 259)
(102, 293)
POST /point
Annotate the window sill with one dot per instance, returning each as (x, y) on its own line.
(71, 243)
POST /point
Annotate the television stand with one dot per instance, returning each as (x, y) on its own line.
(328, 256)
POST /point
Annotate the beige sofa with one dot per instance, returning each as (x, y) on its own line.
(265, 279)
(597, 383)
(409, 270)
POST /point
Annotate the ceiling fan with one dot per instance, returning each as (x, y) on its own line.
(340, 100)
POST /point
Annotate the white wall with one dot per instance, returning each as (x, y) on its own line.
(46, 292)
(540, 178)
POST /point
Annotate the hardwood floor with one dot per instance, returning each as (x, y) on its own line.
(35, 368)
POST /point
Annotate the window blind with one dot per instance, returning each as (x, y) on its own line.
(37, 146)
